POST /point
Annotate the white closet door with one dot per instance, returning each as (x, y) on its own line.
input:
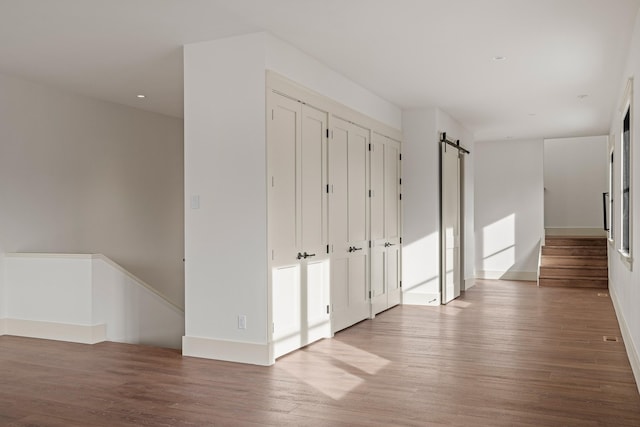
(313, 224)
(385, 223)
(297, 224)
(348, 227)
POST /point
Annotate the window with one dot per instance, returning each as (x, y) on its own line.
(611, 204)
(626, 175)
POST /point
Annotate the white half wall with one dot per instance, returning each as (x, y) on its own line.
(509, 213)
(575, 176)
(85, 298)
(79, 175)
(624, 280)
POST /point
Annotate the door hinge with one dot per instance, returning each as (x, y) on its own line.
(400, 156)
(369, 243)
(327, 132)
(401, 240)
(327, 188)
(271, 114)
(400, 196)
(369, 147)
(327, 248)
(369, 193)
(400, 283)
(327, 309)
(400, 181)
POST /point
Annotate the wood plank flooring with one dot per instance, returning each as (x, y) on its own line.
(504, 354)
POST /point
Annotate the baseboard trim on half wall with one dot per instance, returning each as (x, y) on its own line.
(529, 276)
(83, 334)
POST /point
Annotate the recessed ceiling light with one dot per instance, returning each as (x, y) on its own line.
(583, 96)
(499, 58)
(141, 96)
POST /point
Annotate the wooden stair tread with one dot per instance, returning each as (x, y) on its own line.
(577, 278)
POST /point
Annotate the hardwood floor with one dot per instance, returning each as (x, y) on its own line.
(504, 354)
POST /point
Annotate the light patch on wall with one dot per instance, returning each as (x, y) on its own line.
(420, 265)
(498, 248)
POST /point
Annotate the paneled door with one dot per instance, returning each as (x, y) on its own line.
(297, 217)
(385, 223)
(348, 224)
(450, 225)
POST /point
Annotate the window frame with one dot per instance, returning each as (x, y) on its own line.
(611, 203)
(625, 246)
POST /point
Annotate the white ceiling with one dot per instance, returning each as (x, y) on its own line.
(414, 53)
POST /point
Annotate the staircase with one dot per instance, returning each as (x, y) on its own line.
(574, 262)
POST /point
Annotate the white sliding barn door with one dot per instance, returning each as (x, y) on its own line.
(297, 224)
(348, 227)
(385, 223)
(450, 229)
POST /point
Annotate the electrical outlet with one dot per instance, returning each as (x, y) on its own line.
(242, 321)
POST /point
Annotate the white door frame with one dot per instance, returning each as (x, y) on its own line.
(458, 259)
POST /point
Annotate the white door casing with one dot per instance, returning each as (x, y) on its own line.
(450, 226)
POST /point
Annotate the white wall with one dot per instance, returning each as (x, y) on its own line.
(79, 175)
(508, 208)
(307, 71)
(624, 283)
(225, 165)
(575, 176)
(421, 209)
(3, 298)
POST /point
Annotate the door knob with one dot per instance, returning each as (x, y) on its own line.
(300, 256)
(387, 244)
(353, 249)
(308, 255)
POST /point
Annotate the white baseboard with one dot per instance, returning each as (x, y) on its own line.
(566, 231)
(531, 276)
(84, 334)
(430, 299)
(469, 283)
(632, 349)
(231, 351)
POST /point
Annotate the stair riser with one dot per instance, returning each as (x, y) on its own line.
(568, 283)
(573, 272)
(548, 250)
(568, 241)
(553, 261)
